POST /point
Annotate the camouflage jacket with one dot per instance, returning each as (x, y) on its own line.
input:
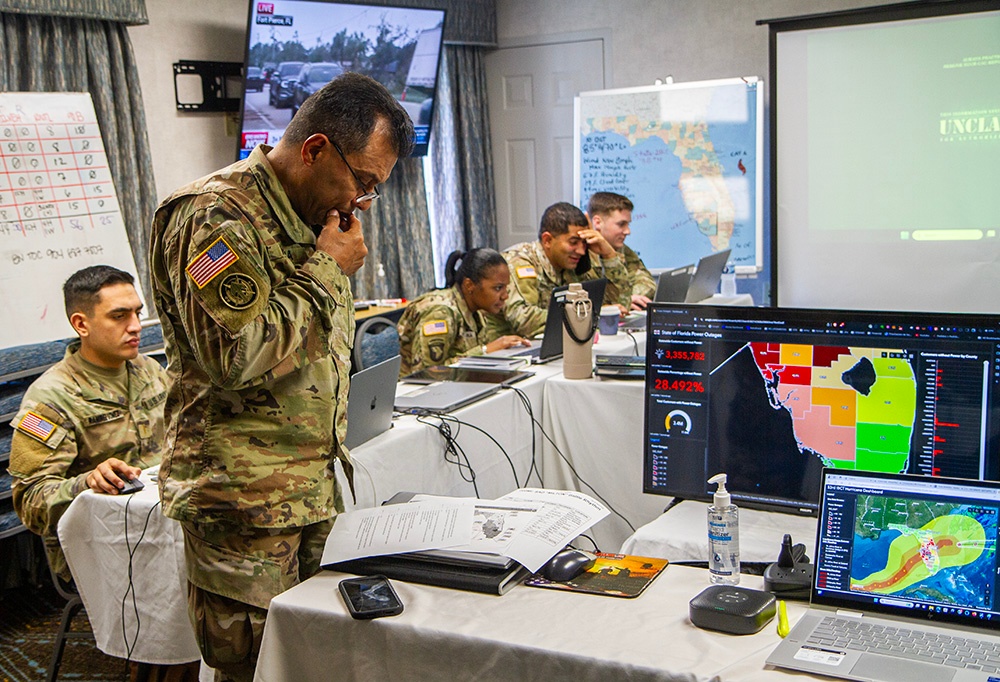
(258, 327)
(436, 328)
(640, 279)
(69, 422)
(532, 279)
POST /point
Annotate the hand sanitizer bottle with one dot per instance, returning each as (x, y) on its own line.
(723, 536)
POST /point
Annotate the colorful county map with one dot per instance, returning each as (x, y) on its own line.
(941, 552)
(688, 156)
(854, 407)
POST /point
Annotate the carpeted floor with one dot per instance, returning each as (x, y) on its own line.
(29, 619)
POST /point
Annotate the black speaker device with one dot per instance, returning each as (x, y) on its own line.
(732, 609)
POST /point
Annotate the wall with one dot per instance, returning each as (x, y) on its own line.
(185, 146)
(690, 40)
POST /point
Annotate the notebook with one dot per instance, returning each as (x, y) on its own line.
(681, 286)
(369, 402)
(550, 347)
(906, 567)
(445, 396)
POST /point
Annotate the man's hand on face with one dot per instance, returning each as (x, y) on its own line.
(110, 475)
(596, 243)
(345, 245)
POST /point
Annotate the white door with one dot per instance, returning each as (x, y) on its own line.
(531, 89)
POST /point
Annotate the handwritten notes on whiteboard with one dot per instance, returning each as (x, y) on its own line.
(58, 210)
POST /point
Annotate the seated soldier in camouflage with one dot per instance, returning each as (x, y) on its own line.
(444, 324)
(568, 250)
(611, 214)
(94, 419)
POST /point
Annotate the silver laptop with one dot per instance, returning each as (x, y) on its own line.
(905, 585)
(692, 283)
(445, 396)
(369, 401)
(551, 346)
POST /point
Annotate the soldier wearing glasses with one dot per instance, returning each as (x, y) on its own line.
(250, 268)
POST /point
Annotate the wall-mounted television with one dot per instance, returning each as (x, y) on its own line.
(770, 396)
(295, 47)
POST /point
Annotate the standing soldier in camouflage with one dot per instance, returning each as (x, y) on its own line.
(445, 324)
(611, 214)
(94, 419)
(250, 270)
(568, 250)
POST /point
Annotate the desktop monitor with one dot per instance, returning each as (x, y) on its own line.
(772, 395)
(295, 47)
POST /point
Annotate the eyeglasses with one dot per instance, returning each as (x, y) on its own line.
(365, 196)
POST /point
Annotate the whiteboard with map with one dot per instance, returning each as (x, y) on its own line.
(689, 156)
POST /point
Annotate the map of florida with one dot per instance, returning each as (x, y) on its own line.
(702, 182)
(919, 553)
(854, 407)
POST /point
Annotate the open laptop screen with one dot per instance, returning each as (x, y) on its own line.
(913, 546)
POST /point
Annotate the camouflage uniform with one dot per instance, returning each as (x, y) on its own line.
(436, 328)
(258, 327)
(639, 277)
(71, 419)
(532, 279)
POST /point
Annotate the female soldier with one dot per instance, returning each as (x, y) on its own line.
(447, 323)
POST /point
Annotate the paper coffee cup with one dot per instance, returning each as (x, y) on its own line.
(608, 323)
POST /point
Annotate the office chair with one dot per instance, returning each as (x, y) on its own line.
(73, 606)
(375, 340)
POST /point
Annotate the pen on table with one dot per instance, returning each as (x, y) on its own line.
(782, 619)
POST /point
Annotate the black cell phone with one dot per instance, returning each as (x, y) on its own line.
(370, 597)
(583, 265)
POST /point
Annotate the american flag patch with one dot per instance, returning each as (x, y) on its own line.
(435, 327)
(211, 262)
(34, 425)
(525, 271)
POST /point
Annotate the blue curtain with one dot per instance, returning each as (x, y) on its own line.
(464, 194)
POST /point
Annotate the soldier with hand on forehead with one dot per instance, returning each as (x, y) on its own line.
(93, 420)
(250, 270)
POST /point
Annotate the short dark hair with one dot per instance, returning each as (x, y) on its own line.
(605, 203)
(472, 265)
(346, 110)
(82, 290)
(558, 217)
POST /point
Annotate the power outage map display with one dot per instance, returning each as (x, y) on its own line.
(771, 396)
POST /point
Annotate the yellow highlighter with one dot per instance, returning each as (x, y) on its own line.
(782, 619)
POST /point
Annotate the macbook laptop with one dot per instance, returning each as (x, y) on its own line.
(905, 586)
(680, 286)
(550, 347)
(444, 396)
(369, 401)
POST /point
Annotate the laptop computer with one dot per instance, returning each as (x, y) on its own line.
(369, 401)
(905, 586)
(680, 286)
(551, 346)
(444, 396)
(672, 285)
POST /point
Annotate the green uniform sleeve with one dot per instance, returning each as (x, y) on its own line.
(427, 337)
(640, 278)
(522, 314)
(243, 330)
(42, 488)
(613, 269)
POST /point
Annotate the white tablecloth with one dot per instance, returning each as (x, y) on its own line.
(527, 634)
(92, 534)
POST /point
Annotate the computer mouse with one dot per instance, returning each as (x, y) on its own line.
(567, 564)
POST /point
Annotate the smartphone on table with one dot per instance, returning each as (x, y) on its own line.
(370, 597)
